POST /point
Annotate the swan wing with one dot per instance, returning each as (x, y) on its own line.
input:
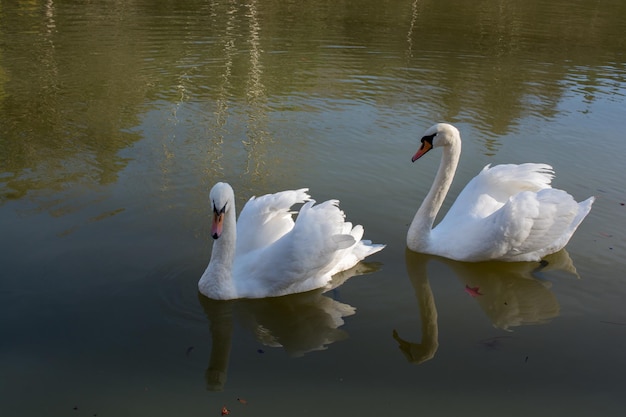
(510, 212)
(493, 186)
(304, 258)
(317, 241)
(534, 224)
(264, 220)
(507, 212)
(337, 245)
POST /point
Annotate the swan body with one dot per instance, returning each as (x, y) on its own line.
(266, 254)
(507, 212)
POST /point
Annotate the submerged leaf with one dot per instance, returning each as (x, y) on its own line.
(472, 291)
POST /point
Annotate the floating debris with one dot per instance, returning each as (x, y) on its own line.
(613, 322)
(242, 401)
(225, 411)
(493, 342)
(474, 292)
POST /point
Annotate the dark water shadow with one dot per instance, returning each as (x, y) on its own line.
(510, 294)
(298, 323)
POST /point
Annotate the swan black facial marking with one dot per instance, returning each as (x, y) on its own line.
(220, 211)
(428, 138)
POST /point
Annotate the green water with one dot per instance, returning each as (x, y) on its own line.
(118, 117)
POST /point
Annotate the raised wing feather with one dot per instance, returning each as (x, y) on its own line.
(303, 258)
(264, 220)
(491, 188)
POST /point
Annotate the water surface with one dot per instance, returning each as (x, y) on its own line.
(118, 117)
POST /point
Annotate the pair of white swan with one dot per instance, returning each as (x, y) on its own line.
(506, 212)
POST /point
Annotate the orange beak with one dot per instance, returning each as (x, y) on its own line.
(217, 224)
(426, 146)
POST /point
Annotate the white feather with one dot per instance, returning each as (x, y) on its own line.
(507, 212)
(266, 254)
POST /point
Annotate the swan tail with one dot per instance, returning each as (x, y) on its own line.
(584, 207)
(343, 241)
(362, 248)
(354, 254)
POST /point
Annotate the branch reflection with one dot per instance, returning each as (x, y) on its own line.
(298, 323)
(510, 294)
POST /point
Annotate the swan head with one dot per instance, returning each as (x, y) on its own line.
(222, 199)
(440, 134)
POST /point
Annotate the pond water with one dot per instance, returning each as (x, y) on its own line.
(118, 117)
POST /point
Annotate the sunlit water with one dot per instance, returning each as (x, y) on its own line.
(117, 118)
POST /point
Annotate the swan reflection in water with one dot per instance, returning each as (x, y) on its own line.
(298, 323)
(510, 294)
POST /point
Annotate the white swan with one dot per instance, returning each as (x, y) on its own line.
(507, 212)
(266, 254)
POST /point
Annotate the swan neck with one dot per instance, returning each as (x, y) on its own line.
(217, 282)
(419, 231)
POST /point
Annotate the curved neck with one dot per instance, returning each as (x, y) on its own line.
(216, 282)
(422, 224)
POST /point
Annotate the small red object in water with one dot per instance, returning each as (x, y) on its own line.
(225, 411)
(472, 291)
